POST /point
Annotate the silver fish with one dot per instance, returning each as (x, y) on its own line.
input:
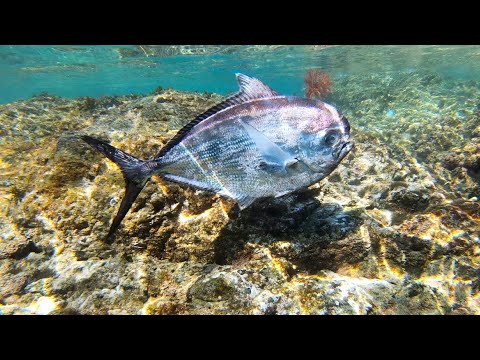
(255, 144)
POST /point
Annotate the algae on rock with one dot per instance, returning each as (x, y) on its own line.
(392, 231)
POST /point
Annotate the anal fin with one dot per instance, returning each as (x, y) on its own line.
(190, 182)
(244, 201)
(283, 193)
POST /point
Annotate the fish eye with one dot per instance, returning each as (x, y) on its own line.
(331, 138)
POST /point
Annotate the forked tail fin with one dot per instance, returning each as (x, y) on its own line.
(135, 172)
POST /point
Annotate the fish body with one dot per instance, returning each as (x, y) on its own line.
(262, 148)
(255, 144)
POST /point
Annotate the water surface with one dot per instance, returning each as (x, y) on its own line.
(73, 71)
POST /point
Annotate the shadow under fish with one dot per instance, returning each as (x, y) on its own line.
(313, 228)
(255, 144)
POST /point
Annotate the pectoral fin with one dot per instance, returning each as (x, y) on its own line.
(274, 158)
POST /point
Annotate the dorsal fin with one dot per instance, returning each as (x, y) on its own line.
(250, 88)
(253, 88)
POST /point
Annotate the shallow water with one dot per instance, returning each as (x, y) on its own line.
(393, 230)
(119, 70)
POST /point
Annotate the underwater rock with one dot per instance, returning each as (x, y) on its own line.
(408, 198)
(390, 231)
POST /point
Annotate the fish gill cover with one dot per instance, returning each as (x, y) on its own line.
(394, 229)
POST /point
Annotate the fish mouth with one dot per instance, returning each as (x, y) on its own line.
(338, 156)
(344, 150)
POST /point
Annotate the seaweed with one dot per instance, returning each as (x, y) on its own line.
(317, 84)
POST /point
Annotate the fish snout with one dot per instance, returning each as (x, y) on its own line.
(344, 149)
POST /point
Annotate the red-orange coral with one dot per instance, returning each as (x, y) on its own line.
(317, 84)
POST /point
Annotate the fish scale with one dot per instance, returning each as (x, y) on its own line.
(255, 144)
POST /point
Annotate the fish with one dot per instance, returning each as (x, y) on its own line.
(255, 144)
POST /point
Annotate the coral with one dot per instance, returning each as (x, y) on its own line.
(317, 84)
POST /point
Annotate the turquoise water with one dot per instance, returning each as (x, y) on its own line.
(394, 229)
(72, 71)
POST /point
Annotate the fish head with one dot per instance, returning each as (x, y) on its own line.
(324, 139)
